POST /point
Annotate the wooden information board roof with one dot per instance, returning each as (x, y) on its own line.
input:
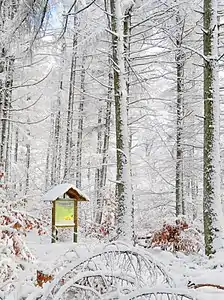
(67, 189)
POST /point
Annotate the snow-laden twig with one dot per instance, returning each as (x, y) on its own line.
(153, 293)
(114, 257)
(97, 274)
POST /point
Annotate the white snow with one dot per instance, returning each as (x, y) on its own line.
(58, 191)
(60, 258)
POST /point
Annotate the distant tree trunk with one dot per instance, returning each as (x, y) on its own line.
(69, 147)
(15, 148)
(127, 45)
(193, 185)
(211, 201)
(5, 105)
(8, 161)
(193, 179)
(106, 137)
(123, 179)
(127, 48)
(55, 146)
(28, 156)
(56, 163)
(98, 169)
(49, 179)
(16, 145)
(105, 148)
(180, 61)
(80, 127)
(47, 168)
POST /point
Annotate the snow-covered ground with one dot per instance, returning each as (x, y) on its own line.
(197, 269)
(54, 258)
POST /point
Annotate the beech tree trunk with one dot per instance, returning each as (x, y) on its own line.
(69, 145)
(98, 169)
(7, 68)
(106, 137)
(57, 127)
(80, 127)
(123, 178)
(105, 148)
(212, 209)
(180, 61)
(28, 155)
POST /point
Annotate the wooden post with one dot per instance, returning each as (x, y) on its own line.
(75, 238)
(54, 230)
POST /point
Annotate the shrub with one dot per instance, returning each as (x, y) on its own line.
(177, 237)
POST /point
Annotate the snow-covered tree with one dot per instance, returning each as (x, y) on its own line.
(123, 179)
(211, 201)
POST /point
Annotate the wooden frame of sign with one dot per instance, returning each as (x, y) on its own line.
(64, 208)
(56, 223)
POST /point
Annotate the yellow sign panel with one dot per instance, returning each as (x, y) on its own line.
(64, 213)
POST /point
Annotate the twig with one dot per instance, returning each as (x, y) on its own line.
(199, 285)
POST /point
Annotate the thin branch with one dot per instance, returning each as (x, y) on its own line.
(66, 20)
(32, 84)
(28, 123)
(111, 32)
(41, 22)
(82, 9)
(221, 56)
(199, 285)
(195, 51)
(19, 109)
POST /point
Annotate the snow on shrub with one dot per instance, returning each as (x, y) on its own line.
(108, 268)
(100, 231)
(14, 254)
(107, 229)
(179, 236)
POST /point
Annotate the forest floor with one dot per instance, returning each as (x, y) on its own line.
(182, 268)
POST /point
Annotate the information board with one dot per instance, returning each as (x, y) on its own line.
(64, 213)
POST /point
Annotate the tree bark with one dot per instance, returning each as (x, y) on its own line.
(211, 199)
(28, 156)
(80, 128)
(123, 178)
(98, 195)
(57, 127)
(105, 148)
(180, 61)
(106, 137)
(5, 98)
(69, 147)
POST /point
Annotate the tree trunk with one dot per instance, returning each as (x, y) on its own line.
(98, 195)
(180, 61)
(16, 145)
(6, 97)
(211, 199)
(105, 148)
(106, 137)
(123, 178)
(28, 155)
(193, 186)
(49, 162)
(69, 147)
(57, 124)
(80, 128)
(47, 168)
(57, 139)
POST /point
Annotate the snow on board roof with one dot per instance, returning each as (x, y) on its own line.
(60, 189)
